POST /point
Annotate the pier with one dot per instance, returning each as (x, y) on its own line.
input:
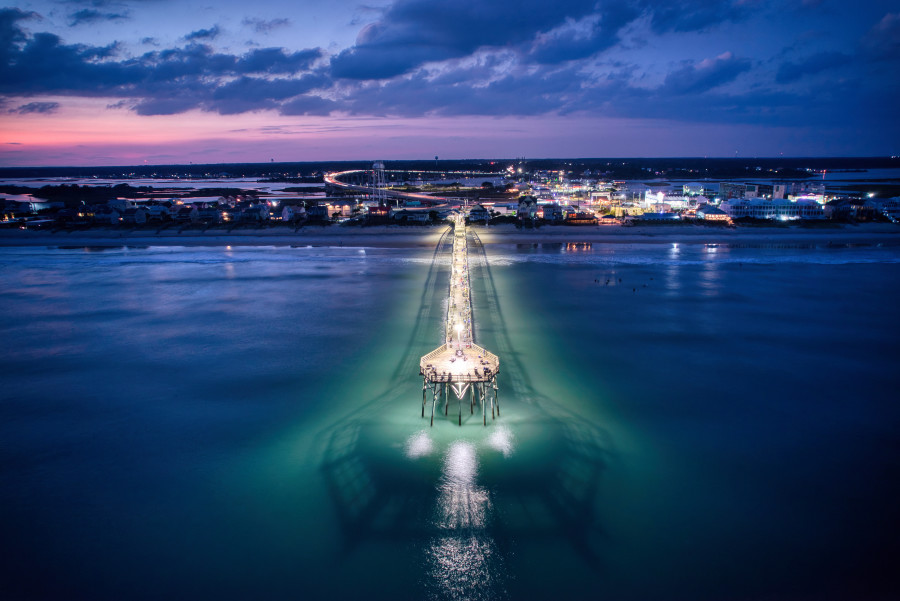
(459, 365)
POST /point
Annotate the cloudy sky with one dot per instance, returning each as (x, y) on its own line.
(118, 82)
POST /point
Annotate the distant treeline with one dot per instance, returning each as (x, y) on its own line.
(73, 194)
(89, 194)
(613, 168)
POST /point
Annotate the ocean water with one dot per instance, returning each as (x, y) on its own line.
(678, 422)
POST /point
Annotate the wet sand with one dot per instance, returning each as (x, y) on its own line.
(413, 236)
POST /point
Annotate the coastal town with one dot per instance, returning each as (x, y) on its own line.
(514, 194)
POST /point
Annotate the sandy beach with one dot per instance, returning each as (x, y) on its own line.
(413, 236)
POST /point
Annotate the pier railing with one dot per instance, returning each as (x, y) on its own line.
(432, 355)
(454, 378)
(488, 355)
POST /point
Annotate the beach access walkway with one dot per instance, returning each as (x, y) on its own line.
(459, 365)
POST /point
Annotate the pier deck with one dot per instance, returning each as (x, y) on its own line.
(459, 363)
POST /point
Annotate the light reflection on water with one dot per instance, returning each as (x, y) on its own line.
(419, 445)
(462, 503)
(464, 559)
(710, 279)
(672, 279)
(501, 440)
(463, 567)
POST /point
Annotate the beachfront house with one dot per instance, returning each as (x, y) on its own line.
(187, 214)
(553, 213)
(120, 204)
(609, 219)
(580, 219)
(889, 207)
(318, 213)
(135, 216)
(410, 215)
(264, 210)
(106, 215)
(15, 210)
(158, 212)
(345, 207)
(293, 213)
(66, 216)
(210, 215)
(479, 213)
(527, 208)
(377, 213)
(708, 212)
(255, 214)
(508, 208)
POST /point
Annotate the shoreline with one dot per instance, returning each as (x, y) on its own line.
(416, 236)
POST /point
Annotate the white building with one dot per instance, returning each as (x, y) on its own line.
(886, 206)
(776, 208)
(700, 189)
(659, 201)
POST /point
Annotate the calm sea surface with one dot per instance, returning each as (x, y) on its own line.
(678, 422)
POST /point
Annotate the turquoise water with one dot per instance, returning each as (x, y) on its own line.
(245, 423)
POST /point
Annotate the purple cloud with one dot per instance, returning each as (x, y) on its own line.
(89, 15)
(36, 107)
(695, 78)
(160, 82)
(415, 32)
(309, 105)
(790, 72)
(203, 34)
(276, 60)
(597, 33)
(412, 33)
(696, 15)
(265, 25)
(10, 32)
(883, 40)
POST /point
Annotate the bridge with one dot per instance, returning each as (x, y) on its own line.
(334, 179)
(459, 365)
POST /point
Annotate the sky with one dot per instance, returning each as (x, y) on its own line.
(128, 82)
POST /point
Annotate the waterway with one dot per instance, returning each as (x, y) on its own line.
(679, 422)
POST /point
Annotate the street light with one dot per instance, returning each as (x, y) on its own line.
(458, 334)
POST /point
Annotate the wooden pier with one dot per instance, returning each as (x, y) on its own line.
(459, 365)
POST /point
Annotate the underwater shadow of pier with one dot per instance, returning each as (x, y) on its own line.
(566, 481)
(373, 498)
(378, 493)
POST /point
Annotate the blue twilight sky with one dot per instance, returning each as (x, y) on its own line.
(130, 81)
